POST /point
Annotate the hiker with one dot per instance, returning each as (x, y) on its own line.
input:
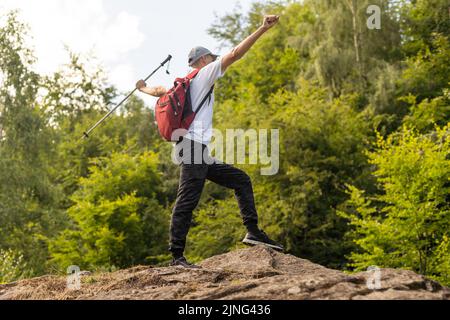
(193, 173)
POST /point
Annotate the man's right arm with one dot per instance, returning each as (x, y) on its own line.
(241, 49)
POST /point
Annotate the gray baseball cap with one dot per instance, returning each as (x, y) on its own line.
(198, 52)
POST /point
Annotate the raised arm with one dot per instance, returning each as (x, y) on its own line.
(241, 49)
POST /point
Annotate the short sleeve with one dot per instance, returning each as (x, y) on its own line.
(210, 73)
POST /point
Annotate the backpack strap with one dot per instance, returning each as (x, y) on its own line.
(208, 95)
(193, 74)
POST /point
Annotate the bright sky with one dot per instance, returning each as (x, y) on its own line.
(131, 38)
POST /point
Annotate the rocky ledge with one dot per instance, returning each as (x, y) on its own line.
(253, 273)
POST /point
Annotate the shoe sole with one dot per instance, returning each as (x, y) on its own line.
(185, 267)
(254, 242)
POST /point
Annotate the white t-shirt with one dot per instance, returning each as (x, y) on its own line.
(201, 128)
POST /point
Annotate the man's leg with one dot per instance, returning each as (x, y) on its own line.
(192, 180)
(236, 179)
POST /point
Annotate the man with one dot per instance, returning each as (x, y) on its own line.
(196, 140)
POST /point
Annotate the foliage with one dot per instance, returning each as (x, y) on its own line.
(430, 60)
(428, 113)
(209, 236)
(28, 199)
(12, 266)
(407, 224)
(117, 219)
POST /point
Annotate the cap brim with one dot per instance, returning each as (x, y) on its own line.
(214, 55)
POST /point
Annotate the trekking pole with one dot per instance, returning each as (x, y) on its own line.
(86, 133)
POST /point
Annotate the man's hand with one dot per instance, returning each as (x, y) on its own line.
(270, 21)
(140, 84)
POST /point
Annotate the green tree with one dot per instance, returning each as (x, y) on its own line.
(12, 266)
(117, 220)
(218, 229)
(420, 21)
(430, 60)
(321, 149)
(28, 200)
(405, 225)
(424, 116)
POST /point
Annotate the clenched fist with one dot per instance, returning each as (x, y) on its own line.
(140, 84)
(270, 21)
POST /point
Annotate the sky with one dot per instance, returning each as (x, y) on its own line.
(129, 38)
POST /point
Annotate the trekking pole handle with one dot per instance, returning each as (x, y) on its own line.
(160, 66)
(167, 60)
(86, 133)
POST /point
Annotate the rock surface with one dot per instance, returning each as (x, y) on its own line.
(253, 273)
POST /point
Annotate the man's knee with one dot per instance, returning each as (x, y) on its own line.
(185, 204)
(244, 178)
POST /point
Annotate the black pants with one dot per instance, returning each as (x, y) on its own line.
(192, 179)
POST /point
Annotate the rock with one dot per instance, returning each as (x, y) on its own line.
(253, 273)
(294, 290)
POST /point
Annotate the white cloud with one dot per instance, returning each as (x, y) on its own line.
(84, 26)
(123, 76)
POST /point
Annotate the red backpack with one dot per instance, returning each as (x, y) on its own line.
(174, 109)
